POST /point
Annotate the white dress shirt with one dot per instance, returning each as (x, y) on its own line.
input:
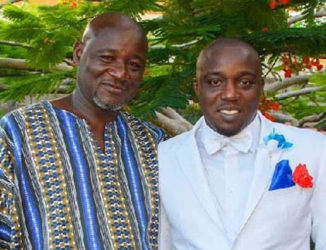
(229, 172)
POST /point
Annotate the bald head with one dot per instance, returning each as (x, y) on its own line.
(219, 46)
(113, 21)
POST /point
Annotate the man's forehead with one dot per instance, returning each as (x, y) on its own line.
(216, 60)
(221, 55)
(109, 32)
(113, 36)
(234, 51)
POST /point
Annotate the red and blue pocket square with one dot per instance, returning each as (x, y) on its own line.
(284, 178)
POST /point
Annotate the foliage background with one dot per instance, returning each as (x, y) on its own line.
(287, 34)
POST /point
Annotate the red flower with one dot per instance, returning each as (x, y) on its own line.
(306, 60)
(264, 29)
(301, 176)
(146, 72)
(284, 2)
(73, 5)
(275, 106)
(308, 66)
(288, 73)
(319, 67)
(269, 117)
(266, 105)
(286, 63)
(315, 62)
(272, 4)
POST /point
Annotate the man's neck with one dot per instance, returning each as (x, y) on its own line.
(95, 116)
(88, 110)
(221, 133)
(78, 105)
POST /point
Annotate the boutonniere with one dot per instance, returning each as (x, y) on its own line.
(276, 141)
(302, 177)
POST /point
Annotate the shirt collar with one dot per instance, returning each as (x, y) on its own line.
(209, 136)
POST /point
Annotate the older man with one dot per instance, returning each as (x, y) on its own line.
(77, 173)
(236, 180)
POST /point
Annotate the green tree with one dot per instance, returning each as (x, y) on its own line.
(36, 52)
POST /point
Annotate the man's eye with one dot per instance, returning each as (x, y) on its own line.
(215, 82)
(106, 58)
(135, 65)
(246, 83)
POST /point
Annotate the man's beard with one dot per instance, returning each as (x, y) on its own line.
(107, 106)
(110, 105)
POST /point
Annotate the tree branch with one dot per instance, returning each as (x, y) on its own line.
(284, 118)
(171, 121)
(312, 118)
(299, 92)
(298, 18)
(16, 44)
(286, 83)
(22, 64)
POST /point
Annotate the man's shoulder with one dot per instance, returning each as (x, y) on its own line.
(20, 112)
(174, 142)
(24, 109)
(157, 132)
(299, 134)
(15, 120)
(185, 139)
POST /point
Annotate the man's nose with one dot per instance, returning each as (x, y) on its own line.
(230, 92)
(118, 70)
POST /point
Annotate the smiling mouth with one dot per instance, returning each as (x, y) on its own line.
(115, 89)
(229, 112)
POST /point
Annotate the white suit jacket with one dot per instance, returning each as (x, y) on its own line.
(282, 219)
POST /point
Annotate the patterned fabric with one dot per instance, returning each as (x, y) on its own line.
(59, 190)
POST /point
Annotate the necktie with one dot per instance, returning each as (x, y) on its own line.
(241, 142)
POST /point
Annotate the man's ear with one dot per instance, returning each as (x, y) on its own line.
(196, 86)
(78, 50)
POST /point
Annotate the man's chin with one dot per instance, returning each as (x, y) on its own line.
(107, 106)
(227, 131)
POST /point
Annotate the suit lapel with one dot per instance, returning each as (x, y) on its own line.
(189, 160)
(265, 162)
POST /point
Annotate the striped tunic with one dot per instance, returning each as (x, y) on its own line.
(60, 190)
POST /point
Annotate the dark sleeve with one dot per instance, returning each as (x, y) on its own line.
(158, 133)
(9, 226)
